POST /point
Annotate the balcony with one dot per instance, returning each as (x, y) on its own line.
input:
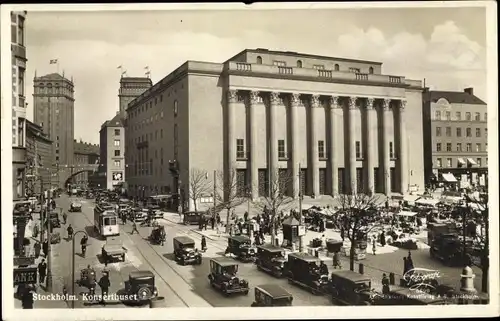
(258, 69)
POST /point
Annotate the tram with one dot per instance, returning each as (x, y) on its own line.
(106, 221)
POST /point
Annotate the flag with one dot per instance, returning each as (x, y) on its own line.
(147, 67)
(124, 72)
(53, 61)
(119, 67)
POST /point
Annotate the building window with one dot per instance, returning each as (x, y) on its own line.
(468, 132)
(448, 131)
(259, 60)
(478, 147)
(57, 151)
(117, 132)
(336, 67)
(486, 132)
(469, 147)
(299, 63)
(438, 115)
(438, 147)
(117, 143)
(448, 115)
(57, 138)
(279, 63)
(175, 108)
(459, 132)
(161, 133)
(391, 150)
(354, 70)
(477, 116)
(486, 147)
(117, 152)
(321, 149)
(448, 147)
(478, 132)
(240, 148)
(370, 70)
(439, 162)
(21, 84)
(478, 161)
(458, 115)
(486, 161)
(467, 116)
(20, 30)
(486, 116)
(161, 98)
(438, 131)
(459, 147)
(319, 67)
(281, 148)
(117, 163)
(449, 162)
(358, 150)
(57, 158)
(13, 34)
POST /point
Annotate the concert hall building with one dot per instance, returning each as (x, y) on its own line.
(342, 123)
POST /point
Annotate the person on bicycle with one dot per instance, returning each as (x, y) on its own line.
(70, 232)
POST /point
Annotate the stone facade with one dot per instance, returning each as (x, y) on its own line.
(40, 173)
(340, 121)
(85, 153)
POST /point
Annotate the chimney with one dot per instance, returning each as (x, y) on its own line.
(469, 90)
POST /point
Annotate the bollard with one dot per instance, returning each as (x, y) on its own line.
(361, 268)
(392, 278)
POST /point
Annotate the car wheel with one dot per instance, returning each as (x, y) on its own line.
(246, 292)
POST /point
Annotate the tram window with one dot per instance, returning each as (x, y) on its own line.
(110, 221)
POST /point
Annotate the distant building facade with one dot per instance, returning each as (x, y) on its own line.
(18, 57)
(341, 122)
(40, 174)
(54, 111)
(112, 134)
(85, 153)
(455, 138)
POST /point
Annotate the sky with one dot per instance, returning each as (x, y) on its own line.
(446, 46)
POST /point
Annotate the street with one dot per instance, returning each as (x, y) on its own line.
(179, 286)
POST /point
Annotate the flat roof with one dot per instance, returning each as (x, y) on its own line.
(224, 261)
(274, 290)
(351, 275)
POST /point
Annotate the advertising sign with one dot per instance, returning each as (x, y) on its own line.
(25, 276)
(117, 176)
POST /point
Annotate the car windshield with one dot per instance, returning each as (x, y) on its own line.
(359, 287)
(231, 269)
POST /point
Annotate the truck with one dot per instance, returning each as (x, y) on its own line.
(113, 249)
(448, 248)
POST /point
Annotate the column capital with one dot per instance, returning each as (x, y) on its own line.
(334, 102)
(232, 95)
(254, 97)
(369, 103)
(386, 104)
(352, 102)
(275, 98)
(402, 104)
(295, 99)
(315, 101)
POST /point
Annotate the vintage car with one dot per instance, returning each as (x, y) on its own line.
(241, 247)
(223, 276)
(156, 211)
(54, 220)
(271, 295)
(141, 288)
(113, 249)
(75, 207)
(158, 235)
(88, 279)
(138, 214)
(271, 259)
(185, 252)
(350, 288)
(304, 270)
(193, 218)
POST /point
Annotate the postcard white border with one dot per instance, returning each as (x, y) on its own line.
(246, 313)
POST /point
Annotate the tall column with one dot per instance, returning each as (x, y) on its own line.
(332, 159)
(352, 145)
(371, 137)
(231, 140)
(294, 105)
(387, 115)
(403, 149)
(254, 169)
(273, 144)
(314, 168)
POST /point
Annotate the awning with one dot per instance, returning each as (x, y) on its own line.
(427, 202)
(471, 161)
(461, 161)
(405, 213)
(449, 177)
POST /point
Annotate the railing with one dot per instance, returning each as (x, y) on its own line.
(285, 70)
(360, 76)
(394, 79)
(325, 73)
(243, 66)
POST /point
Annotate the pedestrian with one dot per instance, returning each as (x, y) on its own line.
(203, 243)
(37, 248)
(83, 244)
(385, 284)
(124, 218)
(70, 232)
(212, 222)
(65, 218)
(374, 246)
(257, 240)
(218, 219)
(27, 299)
(342, 233)
(104, 283)
(245, 216)
(382, 239)
(45, 248)
(134, 228)
(217, 225)
(42, 270)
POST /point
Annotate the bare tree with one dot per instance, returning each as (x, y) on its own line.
(354, 218)
(277, 200)
(199, 185)
(228, 193)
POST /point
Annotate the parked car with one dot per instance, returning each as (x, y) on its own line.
(303, 269)
(140, 287)
(185, 251)
(350, 288)
(223, 277)
(271, 259)
(241, 247)
(271, 295)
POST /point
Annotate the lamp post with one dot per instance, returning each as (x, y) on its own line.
(301, 218)
(49, 247)
(73, 266)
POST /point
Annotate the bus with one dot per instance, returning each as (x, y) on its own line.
(106, 221)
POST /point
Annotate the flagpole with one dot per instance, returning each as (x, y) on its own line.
(57, 66)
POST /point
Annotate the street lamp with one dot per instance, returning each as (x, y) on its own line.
(73, 266)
